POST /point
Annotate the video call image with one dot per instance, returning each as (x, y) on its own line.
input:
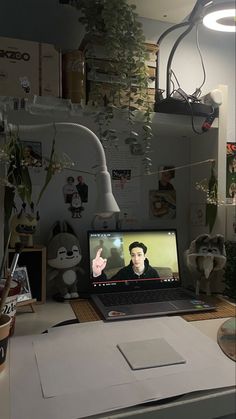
(133, 256)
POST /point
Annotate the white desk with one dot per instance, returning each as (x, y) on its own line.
(207, 405)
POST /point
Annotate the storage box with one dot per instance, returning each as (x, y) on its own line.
(19, 64)
(73, 76)
(28, 68)
(49, 71)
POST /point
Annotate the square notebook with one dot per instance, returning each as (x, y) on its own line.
(150, 353)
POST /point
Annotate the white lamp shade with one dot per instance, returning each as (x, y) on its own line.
(106, 204)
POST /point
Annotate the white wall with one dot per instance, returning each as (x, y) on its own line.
(219, 58)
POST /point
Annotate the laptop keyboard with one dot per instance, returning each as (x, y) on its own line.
(141, 297)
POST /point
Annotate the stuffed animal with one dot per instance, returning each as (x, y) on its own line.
(205, 255)
(64, 256)
(22, 227)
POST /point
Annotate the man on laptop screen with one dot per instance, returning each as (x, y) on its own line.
(138, 268)
(136, 274)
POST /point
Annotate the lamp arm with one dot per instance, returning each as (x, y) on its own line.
(177, 42)
(163, 35)
(106, 203)
(194, 17)
(71, 127)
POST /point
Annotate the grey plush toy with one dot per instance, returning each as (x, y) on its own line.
(64, 256)
(205, 255)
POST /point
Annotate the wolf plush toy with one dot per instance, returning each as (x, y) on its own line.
(205, 255)
(63, 257)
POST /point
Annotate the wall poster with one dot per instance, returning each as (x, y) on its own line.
(231, 173)
(162, 202)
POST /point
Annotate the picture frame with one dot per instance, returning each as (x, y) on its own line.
(32, 153)
(21, 275)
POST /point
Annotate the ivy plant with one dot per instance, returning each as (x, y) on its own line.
(114, 25)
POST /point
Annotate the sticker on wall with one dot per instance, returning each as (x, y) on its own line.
(69, 189)
(82, 189)
(76, 206)
(231, 173)
(75, 194)
(198, 215)
(162, 204)
(121, 177)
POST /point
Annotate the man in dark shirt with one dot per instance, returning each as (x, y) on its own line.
(138, 267)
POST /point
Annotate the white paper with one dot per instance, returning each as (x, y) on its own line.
(206, 368)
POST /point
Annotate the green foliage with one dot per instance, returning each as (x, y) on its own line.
(211, 205)
(230, 270)
(18, 176)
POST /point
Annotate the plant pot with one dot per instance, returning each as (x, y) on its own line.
(5, 322)
(10, 306)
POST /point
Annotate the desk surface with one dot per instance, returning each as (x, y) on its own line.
(217, 402)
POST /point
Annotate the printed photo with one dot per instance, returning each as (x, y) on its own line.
(21, 276)
(166, 176)
(32, 153)
(162, 204)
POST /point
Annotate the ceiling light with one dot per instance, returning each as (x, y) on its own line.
(221, 20)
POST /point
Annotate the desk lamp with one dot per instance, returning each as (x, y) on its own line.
(106, 204)
(218, 15)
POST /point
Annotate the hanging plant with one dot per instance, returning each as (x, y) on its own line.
(210, 188)
(212, 199)
(114, 25)
(230, 270)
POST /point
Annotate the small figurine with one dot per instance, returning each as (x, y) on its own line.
(64, 256)
(76, 206)
(23, 227)
(205, 255)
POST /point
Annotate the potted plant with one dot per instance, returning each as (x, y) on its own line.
(5, 319)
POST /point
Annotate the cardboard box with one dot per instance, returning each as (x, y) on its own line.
(29, 68)
(73, 76)
(19, 62)
(49, 71)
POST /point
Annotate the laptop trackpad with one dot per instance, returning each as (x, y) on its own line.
(160, 307)
(149, 353)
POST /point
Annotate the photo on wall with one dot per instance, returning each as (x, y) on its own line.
(162, 204)
(231, 172)
(166, 176)
(21, 276)
(32, 153)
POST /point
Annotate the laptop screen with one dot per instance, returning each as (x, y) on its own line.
(136, 259)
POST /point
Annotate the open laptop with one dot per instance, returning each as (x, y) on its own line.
(120, 293)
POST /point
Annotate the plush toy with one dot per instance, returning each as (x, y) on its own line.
(64, 256)
(205, 255)
(22, 227)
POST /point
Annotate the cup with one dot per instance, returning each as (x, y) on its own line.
(5, 323)
(11, 300)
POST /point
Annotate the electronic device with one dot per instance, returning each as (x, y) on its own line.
(120, 293)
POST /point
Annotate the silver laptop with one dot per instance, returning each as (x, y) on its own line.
(136, 274)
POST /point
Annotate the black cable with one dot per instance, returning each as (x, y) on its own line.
(192, 115)
(201, 58)
(163, 35)
(168, 69)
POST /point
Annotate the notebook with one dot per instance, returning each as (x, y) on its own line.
(137, 274)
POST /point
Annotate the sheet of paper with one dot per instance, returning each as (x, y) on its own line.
(80, 360)
(206, 368)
